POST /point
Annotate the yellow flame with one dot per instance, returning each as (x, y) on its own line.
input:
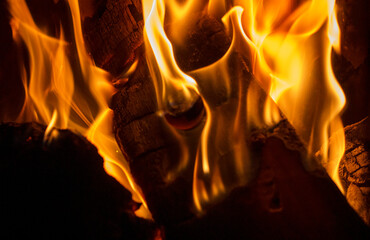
(288, 44)
(50, 132)
(100, 133)
(48, 87)
(292, 47)
(58, 97)
(175, 89)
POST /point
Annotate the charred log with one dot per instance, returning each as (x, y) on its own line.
(148, 142)
(114, 33)
(284, 202)
(149, 146)
(151, 149)
(354, 169)
(351, 65)
(204, 43)
(59, 189)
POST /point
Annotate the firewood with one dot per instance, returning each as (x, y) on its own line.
(58, 189)
(204, 43)
(147, 141)
(354, 169)
(149, 146)
(283, 202)
(285, 206)
(114, 33)
(351, 65)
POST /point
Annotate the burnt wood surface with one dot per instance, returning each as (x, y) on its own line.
(204, 43)
(114, 33)
(59, 190)
(351, 67)
(283, 202)
(354, 169)
(145, 137)
(270, 208)
(150, 147)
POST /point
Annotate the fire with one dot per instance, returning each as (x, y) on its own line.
(291, 46)
(283, 48)
(177, 89)
(288, 45)
(64, 95)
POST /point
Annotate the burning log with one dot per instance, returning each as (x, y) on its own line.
(140, 132)
(58, 188)
(205, 42)
(351, 66)
(114, 33)
(149, 146)
(273, 200)
(151, 149)
(144, 136)
(354, 169)
(283, 202)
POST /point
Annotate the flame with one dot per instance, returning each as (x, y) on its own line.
(177, 90)
(65, 95)
(288, 45)
(291, 46)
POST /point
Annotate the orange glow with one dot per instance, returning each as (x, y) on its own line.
(289, 46)
(53, 97)
(175, 89)
(279, 61)
(292, 51)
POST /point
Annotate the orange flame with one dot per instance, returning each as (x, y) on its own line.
(177, 90)
(289, 46)
(56, 96)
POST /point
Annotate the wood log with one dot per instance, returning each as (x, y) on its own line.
(149, 146)
(114, 33)
(59, 189)
(146, 138)
(147, 143)
(204, 43)
(351, 65)
(283, 202)
(354, 169)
